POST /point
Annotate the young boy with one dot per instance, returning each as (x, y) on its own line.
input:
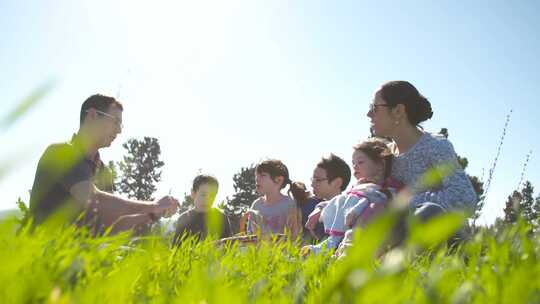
(194, 221)
(330, 177)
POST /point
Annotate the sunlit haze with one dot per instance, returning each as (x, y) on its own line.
(223, 84)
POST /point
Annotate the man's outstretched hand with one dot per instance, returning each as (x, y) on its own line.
(166, 206)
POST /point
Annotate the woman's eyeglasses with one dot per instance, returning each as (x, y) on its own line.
(373, 106)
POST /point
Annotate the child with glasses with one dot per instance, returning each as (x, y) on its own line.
(372, 163)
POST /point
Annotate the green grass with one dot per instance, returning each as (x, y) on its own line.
(68, 266)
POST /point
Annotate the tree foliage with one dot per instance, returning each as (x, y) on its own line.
(521, 204)
(245, 192)
(536, 210)
(511, 206)
(140, 168)
(527, 202)
(106, 178)
(186, 203)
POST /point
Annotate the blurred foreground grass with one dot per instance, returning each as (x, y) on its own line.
(67, 266)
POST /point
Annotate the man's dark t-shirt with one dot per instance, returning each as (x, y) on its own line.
(60, 167)
(195, 223)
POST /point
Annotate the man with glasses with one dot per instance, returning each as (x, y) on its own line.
(330, 177)
(68, 180)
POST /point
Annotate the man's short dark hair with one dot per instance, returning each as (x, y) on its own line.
(203, 179)
(99, 102)
(336, 167)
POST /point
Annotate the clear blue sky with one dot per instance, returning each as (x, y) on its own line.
(223, 84)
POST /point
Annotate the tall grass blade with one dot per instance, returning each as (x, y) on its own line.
(25, 105)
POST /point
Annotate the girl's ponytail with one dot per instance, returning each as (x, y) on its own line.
(298, 191)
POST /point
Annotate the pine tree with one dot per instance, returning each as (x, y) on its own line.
(511, 208)
(478, 187)
(527, 203)
(536, 212)
(186, 203)
(522, 205)
(245, 192)
(106, 178)
(140, 168)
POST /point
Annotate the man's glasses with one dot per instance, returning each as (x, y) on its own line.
(373, 106)
(116, 121)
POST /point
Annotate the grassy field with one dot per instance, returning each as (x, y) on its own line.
(67, 266)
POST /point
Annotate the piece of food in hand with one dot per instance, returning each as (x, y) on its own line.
(305, 251)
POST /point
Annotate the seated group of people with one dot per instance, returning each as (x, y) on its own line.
(394, 159)
(277, 213)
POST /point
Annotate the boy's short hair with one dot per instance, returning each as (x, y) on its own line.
(99, 102)
(203, 179)
(336, 167)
